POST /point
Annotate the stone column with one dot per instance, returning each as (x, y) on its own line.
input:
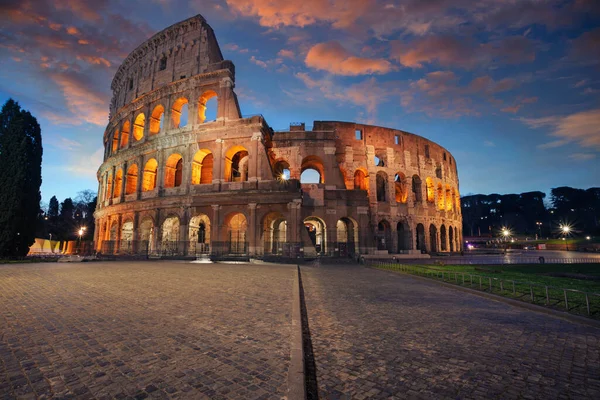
(124, 167)
(215, 230)
(157, 233)
(253, 161)
(135, 237)
(96, 234)
(252, 245)
(138, 187)
(218, 162)
(186, 174)
(148, 115)
(100, 190)
(184, 231)
(160, 179)
(112, 184)
(395, 244)
(118, 238)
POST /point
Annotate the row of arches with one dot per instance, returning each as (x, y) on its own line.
(179, 117)
(446, 239)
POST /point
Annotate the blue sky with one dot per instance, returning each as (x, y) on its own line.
(511, 88)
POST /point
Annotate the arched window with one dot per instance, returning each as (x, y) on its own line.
(417, 189)
(440, 197)
(381, 181)
(236, 230)
(312, 170)
(202, 167)
(207, 107)
(449, 199)
(108, 192)
(281, 170)
(125, 134)
(138, 126)
(379, 159)
(430, 190)
(361, 180)
(157, 119)
(131, 179)
(173, 171)
(400, 188)
(118, 182)
(443, 238)
(115, 141)
(149, 177)
(433, 237)
(236, 164)
(179, 115)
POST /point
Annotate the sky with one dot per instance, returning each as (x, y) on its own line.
(510, 87)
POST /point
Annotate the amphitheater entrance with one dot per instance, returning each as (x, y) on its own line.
(236, 164)
(199, 235)
(384, 235)
(275, 234)
(315, 229)
(237, 227)
(126, 243)
(443, 238)
(421, 238)
(146, 235)
(170, 236)
(433, 238)
(347, 237)
(403, 232)
(451, 237)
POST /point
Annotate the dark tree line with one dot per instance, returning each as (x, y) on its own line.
(527, 214)
(63, 221)
(20, 179)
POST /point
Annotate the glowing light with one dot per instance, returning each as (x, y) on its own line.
(505, 232)
(566, 229)
(283, 177)
(588, 238)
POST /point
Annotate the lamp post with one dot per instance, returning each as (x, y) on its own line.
(505, 234)
(565, 231)
(80, 232)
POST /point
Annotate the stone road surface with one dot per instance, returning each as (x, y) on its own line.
(378, 334)
(144, 330)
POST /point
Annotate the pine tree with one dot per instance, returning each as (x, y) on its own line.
(53, 207)
(20, 179)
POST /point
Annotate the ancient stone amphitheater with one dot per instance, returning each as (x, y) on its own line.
(185, 174)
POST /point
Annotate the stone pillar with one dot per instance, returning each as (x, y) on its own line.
(131, 138)
(100, 192)
(135, 236)
(253, 161)
(186, 174)
(184, 231)
(295, 222)
(148, 115)
(395, 244)
(138, 187)
(112, 184)
(160, 179)
(252, 237)
(157, 233)
(218, 162)
(118, 238)
(96, 234)
(215, 230)
(123, 181)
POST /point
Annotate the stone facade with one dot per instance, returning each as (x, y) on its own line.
(185, 174)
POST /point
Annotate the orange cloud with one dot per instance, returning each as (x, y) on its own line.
(71, 30)
(286, 54)
(83, 103)
(334, 58)
(582, 128)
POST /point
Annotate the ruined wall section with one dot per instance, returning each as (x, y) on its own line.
(178, 52)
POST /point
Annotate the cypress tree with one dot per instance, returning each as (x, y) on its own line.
(53, 207)
(20, 179)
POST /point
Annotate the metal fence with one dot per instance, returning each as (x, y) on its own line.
(570, 300)
(508, 259)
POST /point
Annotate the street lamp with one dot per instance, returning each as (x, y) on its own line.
(565, 231)
(80, 232)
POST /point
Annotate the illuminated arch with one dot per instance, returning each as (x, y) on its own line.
(138, 126)
(125, 129)
(237, 226)
(131, 179)
(312, 163)
(118, 181)
(449, 199)
(430, 190)
(115, 141)
(317, 232)
(202, 104)
(202, 167)
(443, 238)
(440, 197)
(433, 238)
(417, 188)
(281, 170)
(361, 179)
(199, 234)
(156, 119)
(384, 235)
(381, 184)
(179, 113)
(400, 188)
(149, 176)
(173, 171)
(274, 233)
(236, 164)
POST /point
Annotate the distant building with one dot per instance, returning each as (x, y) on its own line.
(184, 173)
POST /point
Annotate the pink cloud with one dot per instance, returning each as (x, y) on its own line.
(333, 57)
(582, 128)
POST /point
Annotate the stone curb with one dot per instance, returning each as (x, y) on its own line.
(296, 379)
(512, 302)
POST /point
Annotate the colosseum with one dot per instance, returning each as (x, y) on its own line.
(184, 174)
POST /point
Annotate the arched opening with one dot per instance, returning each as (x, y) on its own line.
(458, 202)
(118, 183)
(449, 200)
(125, 245)
(383, 234)
(379, 159)
(173, 171)
(237, 227)
(199, 234)
(125, 130)
(317, 234)
(443, 238)
(430, 190)
(146, 235)
(236, 164)
(451, 237)
(421, 245)
(417, 189)
(361, 180)
(202, 167)
(115, 141)
(281, 170)
(157, 119)
(403, 231)
(347, 236)
(381, 182)
(433, 238)
(440, 197)
(138, 126)
(207, 107)
(108, 192)
(453, 199)
(149, 177)
(179, 113)
(274, 233)
(400, 188)
(131, 179)
(170, 236)
(312, 170)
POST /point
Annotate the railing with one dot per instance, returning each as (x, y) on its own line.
(508, 259)
(570, 300)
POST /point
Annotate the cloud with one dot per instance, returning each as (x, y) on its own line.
(582, 156)
(258, 62)
(63, 143)
(582, 128)
(333, 57)
(84, 164)
(236, 48)
(286, 54)
(489, 143)
(83, 103)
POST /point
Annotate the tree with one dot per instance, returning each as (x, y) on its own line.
(53, 207)
(20, 179)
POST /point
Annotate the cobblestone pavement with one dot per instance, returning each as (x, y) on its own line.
(378, 334)
(144, 330)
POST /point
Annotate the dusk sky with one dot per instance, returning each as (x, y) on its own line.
(510, 87)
